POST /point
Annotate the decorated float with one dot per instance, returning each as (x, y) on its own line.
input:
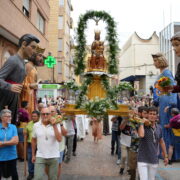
(96, 96)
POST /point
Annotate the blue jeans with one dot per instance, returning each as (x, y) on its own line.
(116, 140)
(30, 164)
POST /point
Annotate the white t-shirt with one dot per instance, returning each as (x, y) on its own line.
(47, 145)
(125, 140)
(69, 126)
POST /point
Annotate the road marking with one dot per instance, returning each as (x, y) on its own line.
(169, 168)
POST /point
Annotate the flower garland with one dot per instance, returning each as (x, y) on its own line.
(112, 93)
(70, 85)
(97, 107)
(83, 90)
(111, 37)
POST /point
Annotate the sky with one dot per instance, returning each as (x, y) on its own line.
(142, 16)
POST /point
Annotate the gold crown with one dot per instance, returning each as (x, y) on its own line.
(39, 50)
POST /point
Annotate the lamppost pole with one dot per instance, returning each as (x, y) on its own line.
(50, 54)
(53, 75)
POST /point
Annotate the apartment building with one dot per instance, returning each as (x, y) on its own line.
(19, 17)
(166, 47)
(60, 42)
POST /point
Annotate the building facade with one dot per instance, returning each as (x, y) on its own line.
(19, 17)
(60, 42)
(136, 63)
(165, 45)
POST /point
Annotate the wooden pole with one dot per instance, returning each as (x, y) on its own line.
(25, 153)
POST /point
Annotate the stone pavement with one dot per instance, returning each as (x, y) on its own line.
(94, 162)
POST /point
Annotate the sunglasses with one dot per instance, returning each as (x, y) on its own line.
(45, 114)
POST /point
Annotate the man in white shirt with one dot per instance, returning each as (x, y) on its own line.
(46, 138)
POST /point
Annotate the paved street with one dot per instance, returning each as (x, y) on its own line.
(94, 162)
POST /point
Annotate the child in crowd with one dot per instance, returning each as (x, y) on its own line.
(151, 138)
(133, 150)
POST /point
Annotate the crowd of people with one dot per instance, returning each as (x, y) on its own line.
(45, 135)
(51, 137)
(151, 132)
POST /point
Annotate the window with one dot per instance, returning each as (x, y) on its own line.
(60, 22)
(59, 67)
(26, 7)
(40, 22)
(61, 2)
(60, 45)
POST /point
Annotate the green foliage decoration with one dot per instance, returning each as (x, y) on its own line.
(71, 85)
(113, 92)
(122, 86)
(83, 90)
(111, 37)
(97, 107)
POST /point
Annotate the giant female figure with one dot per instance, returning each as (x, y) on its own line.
(175, 41)
(166, 102)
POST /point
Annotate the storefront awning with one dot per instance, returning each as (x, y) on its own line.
(133, 78)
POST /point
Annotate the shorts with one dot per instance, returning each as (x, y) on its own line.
(175, 140)
(20, 135)
(60, 160)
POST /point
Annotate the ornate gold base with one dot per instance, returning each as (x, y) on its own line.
(122, 110)
(96, 89)
(96, 70)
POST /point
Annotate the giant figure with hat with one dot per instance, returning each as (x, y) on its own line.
(31, 81)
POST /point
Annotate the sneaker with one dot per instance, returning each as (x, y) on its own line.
(118, 161)
(121, 171)
(30, 177)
